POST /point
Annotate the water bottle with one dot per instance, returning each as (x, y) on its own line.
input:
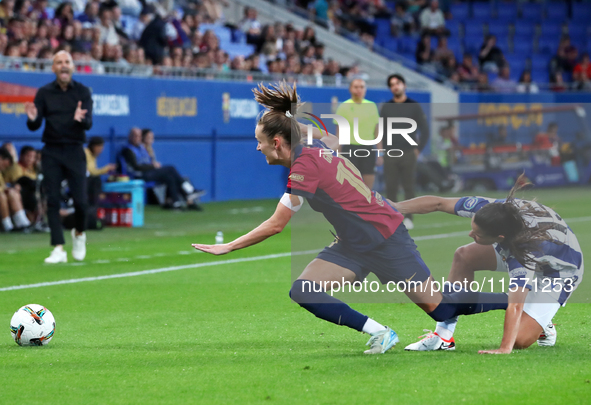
(219, 238)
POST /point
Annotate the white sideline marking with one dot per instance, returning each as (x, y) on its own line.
(221, 262)
(155, 271)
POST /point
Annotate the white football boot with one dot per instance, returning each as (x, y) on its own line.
(57, 255)
(431, 341)
(78, 245)
(548, 336)
(382, 341)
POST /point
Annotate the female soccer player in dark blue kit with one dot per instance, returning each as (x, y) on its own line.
(370, 233)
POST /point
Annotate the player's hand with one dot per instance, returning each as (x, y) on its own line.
(157, 165)
(80, 114)
(213, 249)
(380, 161)
(31, 111)
(112, 167)
(498, 351)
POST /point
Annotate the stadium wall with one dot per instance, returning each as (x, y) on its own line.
(205, 128)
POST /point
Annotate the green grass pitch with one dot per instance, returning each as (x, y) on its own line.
(228, 333)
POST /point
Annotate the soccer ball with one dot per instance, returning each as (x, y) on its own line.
(32, 325)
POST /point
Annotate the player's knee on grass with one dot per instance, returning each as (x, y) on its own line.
(523, 342)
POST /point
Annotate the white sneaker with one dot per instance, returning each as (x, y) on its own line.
(408, 223)
(431, 341)
(382, 341)
(78, 245)
(548, 336)
(57, 256)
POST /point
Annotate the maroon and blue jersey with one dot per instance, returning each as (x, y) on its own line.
(333, 186)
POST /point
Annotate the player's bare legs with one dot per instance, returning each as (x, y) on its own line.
(470, 258)
(5, 212)
(309, 291)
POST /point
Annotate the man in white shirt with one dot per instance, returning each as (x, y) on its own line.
(432, 20)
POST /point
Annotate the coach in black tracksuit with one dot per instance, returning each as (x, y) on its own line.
(66, 106)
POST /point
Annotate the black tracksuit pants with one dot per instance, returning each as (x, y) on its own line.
(59, 162)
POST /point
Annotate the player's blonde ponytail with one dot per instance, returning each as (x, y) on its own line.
(281, 101)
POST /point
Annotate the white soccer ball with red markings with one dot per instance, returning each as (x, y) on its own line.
(32, 325)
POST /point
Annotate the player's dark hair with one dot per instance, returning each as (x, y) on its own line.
(279, 99)
(506, 218)
(5, 154)
(26, 149)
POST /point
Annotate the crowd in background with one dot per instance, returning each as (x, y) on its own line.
(159, 38)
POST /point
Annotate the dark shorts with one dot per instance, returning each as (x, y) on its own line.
(397, 259)
(365, 165)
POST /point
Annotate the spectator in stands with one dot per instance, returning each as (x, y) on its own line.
(90, 14)
(490, 55)
(582, 73)
(251, 26)
(503, 83)
(525, 84)
(557, 82)
(146, 15)
(108, 33)
(64, 14)
(424, 53)
(401, 22)
(467, 71)
(10, 199)
(6, 12)
(482, 84)
(154, 39)
(432, 20)
(96, 145)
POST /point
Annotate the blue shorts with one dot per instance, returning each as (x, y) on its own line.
(397, 259)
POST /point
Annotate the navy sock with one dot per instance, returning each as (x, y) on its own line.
(468, 303)
(311, 297)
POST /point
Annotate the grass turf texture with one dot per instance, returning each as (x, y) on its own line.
(230, 334)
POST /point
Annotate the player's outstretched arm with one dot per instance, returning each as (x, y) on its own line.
(426, 204)
(270, 227)
(329, 139)
(512, 321)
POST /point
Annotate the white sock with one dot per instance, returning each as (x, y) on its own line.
(7, 224)
(446, 329)
(20, 219)
(372, 326)
(188, 187)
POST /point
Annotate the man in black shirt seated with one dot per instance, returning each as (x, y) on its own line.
(140, 165)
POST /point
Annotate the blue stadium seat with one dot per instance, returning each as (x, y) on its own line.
(473, 43)
(382, 26)
(409, 55)
(473, 28)
(523, 48)
(460, 11)
(454, 28)
(391, 44)
(540, 76)
(525, 28)
(407, 44)
(503, 42)
(556, 11)
(581, 12)
(507, 11)
(548, 44)
(498, 29)
(551, 28)
(455, 45)
(481, 11)
(531, 11)
(540, 62)
(578, 30)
